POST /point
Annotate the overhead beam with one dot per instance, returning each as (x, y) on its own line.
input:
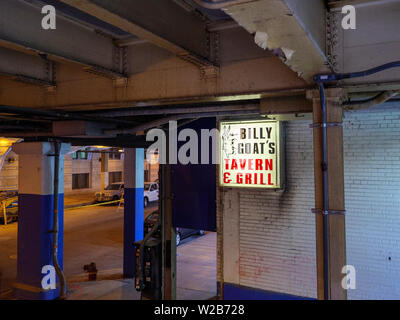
(68, 43)
(60, 115)
(160, 122)
(121, 141)
(130, 41)
(219, 4)
(285, 105)
(138, 111)
(297, 29)
(25, 68)
(179, 31)
(156, 77)
(367, 46)
(222, 25)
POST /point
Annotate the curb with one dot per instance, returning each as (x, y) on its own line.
(71, 206)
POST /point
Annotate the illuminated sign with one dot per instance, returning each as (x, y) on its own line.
(250, 154)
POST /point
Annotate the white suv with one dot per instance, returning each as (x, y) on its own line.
(115, 191)
(150, 192)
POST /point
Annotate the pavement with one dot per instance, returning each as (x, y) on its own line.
(77, 200)
(196, 276)
(95, 234)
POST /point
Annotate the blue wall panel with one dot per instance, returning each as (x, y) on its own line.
(235, 292)
(35, 241)
(133, 227)
(194, 188)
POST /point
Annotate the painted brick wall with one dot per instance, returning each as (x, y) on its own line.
(277, 233)
(372, 185)
(277, 236)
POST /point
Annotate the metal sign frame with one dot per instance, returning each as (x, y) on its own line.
(278, 157)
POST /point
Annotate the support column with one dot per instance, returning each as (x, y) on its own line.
(35, 220)
(168, 234)
(133, 207)
(231, 235)
(329, 276)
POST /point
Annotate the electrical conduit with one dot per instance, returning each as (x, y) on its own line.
(57, 267)
(320, 79)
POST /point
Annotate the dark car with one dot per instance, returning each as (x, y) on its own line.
(181, 233)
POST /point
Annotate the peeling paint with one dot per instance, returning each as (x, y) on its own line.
(261, 39)
(288, 53)
(277, 26)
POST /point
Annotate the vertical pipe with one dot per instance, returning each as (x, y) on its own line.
(325, 189)
(320, 79)
(161, 206)
(59, 271)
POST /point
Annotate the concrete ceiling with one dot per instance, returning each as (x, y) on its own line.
(174, 52)
(297, 29)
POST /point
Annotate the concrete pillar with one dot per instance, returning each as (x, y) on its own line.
(334, 221)
(133, 207)
(168, 234)
(231, 235)
(35, 221)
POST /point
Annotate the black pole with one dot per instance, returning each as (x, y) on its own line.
(59, 271)
(325, 189)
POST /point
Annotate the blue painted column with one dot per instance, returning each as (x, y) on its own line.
(133, 207)
(35, 217)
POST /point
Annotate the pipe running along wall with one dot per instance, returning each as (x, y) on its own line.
(57, 267)
(320, 79)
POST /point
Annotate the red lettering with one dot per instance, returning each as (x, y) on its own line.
(270, 179)
(239, 178)
(226, 164)
(259, 164)
(262, 179)
(234, 165)
(251, 164)
(242, 164)
(248, 178)
(268, 164)
(226, 177)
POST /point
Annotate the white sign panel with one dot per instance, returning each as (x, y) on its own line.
(250, 154)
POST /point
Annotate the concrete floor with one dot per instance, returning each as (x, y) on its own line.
(96, 235)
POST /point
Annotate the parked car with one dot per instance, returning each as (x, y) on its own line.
(181, 233)
(150, 193)
(115, 191)
(112, 192)
(11, 210)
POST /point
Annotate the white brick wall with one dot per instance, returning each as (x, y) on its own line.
(372, 186)
(277, 233)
